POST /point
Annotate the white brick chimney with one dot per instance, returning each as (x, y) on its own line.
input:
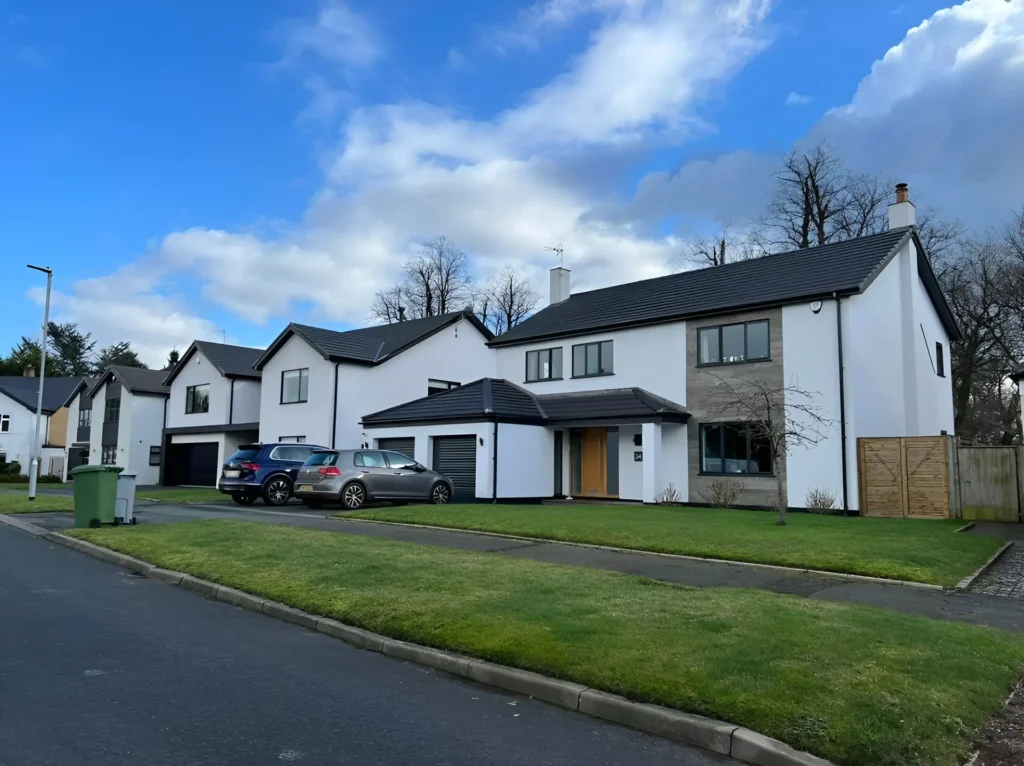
(559, 284)
(901, 212)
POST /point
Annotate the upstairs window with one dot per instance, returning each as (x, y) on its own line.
(590, 359)
(5, 424)
(197, 399)
(733, 343)
(545, 364)
(84, 418)
(940, 361)
(440, 386)
(112, 411)
(109, 456)
(294, 386)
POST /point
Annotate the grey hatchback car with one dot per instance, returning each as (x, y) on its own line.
(355, 477)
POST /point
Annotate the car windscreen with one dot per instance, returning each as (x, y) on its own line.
(243, 455)
(322, 458)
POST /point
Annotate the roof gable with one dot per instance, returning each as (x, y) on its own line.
(137, 380)
(25, 391)
(842, 268)
(370, 345)
(230, 361)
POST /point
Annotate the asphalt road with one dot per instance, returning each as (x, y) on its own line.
(101, 667)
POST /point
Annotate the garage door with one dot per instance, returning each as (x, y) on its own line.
(406, 446)
(455, 457)
(192, 464)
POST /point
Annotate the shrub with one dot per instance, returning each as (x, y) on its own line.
(14, 467)
(50, 478)
(722, 493)
(820, 500)
(670, 495)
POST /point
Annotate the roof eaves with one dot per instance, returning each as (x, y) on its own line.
(280, 340)
(873, 274)
(455, 317)
(100, 380)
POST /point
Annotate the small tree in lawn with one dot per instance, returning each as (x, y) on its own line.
(783, 417)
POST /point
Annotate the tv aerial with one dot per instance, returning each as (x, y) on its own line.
(559, 251)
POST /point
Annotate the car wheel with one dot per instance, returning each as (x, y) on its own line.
(440, 494)
(313, 503)
(353, 496)
(243, 498)
(277, 491)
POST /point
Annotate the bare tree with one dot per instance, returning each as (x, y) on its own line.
(435, 281)
(863, 206)
(507, 300)
(449, 269)
(783, 418)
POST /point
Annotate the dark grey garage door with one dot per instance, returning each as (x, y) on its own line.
(406, 446)
(455, 457)
(192, 464)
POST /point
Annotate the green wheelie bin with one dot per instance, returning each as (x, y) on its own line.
(95, 494)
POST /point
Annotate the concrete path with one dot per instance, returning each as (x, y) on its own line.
(976, 608)
(98, 666)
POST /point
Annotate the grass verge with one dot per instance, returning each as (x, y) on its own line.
(183, 495)
(899, 549)
(19, 503)
(853, 684)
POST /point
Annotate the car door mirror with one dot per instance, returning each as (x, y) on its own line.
(418, 468)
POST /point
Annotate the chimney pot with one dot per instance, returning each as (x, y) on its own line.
(901, 212)
(902, 193)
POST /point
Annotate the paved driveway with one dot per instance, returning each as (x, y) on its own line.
(101, 667)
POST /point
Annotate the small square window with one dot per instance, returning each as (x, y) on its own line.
(294, 386)
(5, 424)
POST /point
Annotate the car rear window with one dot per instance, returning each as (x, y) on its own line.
(243, 454)
(322, 458)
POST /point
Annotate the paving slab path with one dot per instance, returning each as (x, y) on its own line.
(972, 607)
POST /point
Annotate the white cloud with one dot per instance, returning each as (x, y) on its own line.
(456, 59)
(798, 99)
(504, 188)
(338, 35)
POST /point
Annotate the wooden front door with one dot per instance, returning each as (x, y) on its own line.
(594, 462)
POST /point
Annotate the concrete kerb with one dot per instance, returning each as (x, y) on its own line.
(968, 581)
(682, 556)
(716, 736)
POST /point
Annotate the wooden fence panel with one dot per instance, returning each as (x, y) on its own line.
(905, 476)
(989, 486)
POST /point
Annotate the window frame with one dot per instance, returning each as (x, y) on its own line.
(85, 415)
(299, 370)
(435, 390)
(190, 399)
(746, 343)
(735, 424)
(940, 360)
(600, 354)
(112, 451)
(357, 458)
(157, 452)
(112, 406)
(550, 351)
(5, 423)
(387, 457)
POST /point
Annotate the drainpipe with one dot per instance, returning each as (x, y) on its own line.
(842, 401)
(231, 404)
(334, 409)
(494, 474)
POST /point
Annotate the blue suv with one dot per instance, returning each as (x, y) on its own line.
(264, 470)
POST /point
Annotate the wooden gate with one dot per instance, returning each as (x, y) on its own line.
(905, 476)
(989, 483)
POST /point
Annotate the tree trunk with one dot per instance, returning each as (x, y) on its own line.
(780, 502)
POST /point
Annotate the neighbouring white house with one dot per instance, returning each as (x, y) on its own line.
(127, 421)
(213, 407)
(629, 391)
(18, 400)
(79, 426)
(318, 383)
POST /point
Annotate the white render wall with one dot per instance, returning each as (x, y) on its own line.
(247, 401)
(458, 354)
(525, 461)
(652, 358)
(311, 418)
(196, 372)
(674, 456)
(631, 472)
(17, 442)
(147, 423)
(810, 362)
(935, 394)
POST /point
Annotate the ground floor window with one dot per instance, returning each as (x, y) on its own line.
(292, 440)
(734, 448)
(154, 456)
(109, 456)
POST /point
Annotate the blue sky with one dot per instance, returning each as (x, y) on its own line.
(189, 168)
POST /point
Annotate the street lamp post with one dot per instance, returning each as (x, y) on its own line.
(37, 449)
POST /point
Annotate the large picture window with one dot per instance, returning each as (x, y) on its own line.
(294, 386)
(197, 399)
(734, 448)
(589, 359)
(733, 343)
(545, 364)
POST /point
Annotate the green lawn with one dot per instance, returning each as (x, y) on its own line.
(854, 684)
(19, 503)
(183, 495)
(902, 549)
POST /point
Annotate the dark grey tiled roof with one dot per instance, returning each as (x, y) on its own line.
(232, 361)
(85, 383)
(138, 380)
(371, 345)
(844, 268)
(25, 391)
(491, 398)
